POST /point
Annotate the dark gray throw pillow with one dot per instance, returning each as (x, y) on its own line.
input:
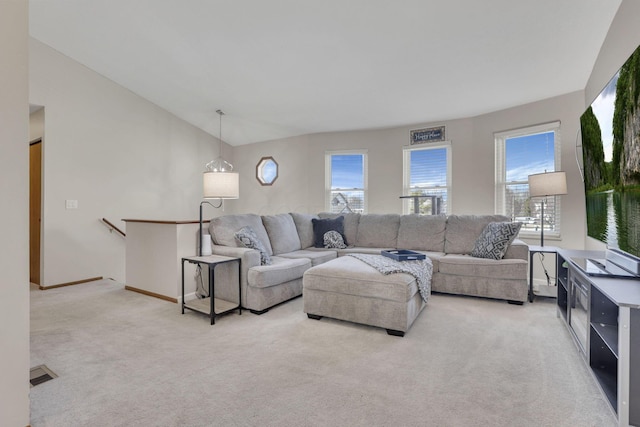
(249, 239)
(321, 226)
(495, 240)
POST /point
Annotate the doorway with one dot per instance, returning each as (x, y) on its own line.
(35, 208)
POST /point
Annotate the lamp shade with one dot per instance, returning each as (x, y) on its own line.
(221, 185)
(547, 184)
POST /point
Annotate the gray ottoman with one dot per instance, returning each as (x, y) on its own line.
(348, 289)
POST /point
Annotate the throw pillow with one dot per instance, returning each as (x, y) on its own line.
(495, 240)
(248, 238)
(321, 226)
(333, 240)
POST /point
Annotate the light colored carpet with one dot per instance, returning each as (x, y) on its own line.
(125, 359)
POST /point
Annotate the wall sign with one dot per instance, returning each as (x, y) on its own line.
(420, 136)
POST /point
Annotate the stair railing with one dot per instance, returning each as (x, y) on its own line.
(113, 228)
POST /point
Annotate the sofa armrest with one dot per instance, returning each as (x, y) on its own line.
(517, 250)
(248, 258)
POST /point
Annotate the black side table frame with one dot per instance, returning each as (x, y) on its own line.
(536, 250)
(200, 305)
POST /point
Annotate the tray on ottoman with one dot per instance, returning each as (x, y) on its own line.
(403, 255)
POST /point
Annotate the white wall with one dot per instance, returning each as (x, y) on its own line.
(300, 184)
(567, 109)
(622, 39)
(14, 214)
(36, 125)
(118, 155)
(123, 157)
(138, 161)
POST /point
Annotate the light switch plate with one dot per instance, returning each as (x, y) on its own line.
(71, 204)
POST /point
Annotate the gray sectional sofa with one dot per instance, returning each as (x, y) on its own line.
(447, 240)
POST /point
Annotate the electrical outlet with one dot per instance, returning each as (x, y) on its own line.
(71, 204)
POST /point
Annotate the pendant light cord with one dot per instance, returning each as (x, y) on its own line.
(220, 113)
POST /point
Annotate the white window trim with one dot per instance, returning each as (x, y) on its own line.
(406, 171)
(500, 168)
(327, 176)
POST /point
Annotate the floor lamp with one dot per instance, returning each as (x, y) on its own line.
(544, 185)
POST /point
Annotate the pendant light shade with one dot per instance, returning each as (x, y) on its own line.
(219, 180)
(221, 185)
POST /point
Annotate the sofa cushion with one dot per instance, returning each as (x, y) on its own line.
(375, 230)
(316, 256)
(351, 221)
(422, 232)
(322, 226)
(463, 231)
(223, 229)
(281, 270)
(466, 265)
(495, 239)
(435, 259)
(282, 232)
(247, 238)
(305, 228)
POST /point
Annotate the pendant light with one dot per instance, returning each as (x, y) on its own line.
(218, 182)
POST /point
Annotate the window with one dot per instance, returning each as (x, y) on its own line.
(346, 181)
(520, 153)
(427, 174)
(267, 171)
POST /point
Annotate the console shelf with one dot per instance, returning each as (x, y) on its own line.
(562, 272)
(608, 334)
(603, 315)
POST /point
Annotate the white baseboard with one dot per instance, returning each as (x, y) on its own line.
(187, 297)
(540, 288)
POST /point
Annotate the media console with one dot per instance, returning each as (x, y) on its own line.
(603, 315)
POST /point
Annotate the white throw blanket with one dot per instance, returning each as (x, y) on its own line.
(420, 269)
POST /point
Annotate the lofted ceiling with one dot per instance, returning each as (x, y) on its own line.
(281, 68)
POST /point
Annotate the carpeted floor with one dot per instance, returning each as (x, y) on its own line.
(125, 359)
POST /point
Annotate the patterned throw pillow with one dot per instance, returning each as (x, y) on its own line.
(495, 240)
(333, 240)
(248, 238)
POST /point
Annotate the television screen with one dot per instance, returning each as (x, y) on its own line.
(610, 130)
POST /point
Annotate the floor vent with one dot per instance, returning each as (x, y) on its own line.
(41, 374)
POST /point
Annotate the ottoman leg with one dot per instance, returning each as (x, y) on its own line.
(395, 333)
(314, 316)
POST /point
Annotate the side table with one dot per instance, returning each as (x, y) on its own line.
(211, 305)
(535, 250)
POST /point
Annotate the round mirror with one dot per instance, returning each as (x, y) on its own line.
(267, 171)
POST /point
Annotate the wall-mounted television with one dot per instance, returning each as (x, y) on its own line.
(610, 134)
